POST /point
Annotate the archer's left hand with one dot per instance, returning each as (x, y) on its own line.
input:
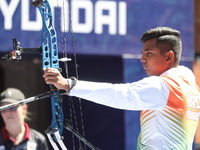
(53, 76)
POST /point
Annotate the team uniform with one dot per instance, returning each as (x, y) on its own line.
(170, 105)
(33, 140)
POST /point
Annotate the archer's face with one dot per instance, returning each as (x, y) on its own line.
(154, 63)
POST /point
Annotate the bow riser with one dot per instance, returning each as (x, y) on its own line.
(50, 60)
(48, 37)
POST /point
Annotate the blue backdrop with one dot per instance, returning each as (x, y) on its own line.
(99, 27)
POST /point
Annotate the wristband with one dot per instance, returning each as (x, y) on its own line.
(72, 83)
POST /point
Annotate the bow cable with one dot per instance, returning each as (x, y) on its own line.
(64, 51)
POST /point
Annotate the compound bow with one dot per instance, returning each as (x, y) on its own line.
(49, 50)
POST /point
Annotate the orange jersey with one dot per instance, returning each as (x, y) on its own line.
(175, 125)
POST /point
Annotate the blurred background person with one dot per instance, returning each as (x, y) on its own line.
(16, 133)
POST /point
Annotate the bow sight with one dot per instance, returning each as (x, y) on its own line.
(16, 54)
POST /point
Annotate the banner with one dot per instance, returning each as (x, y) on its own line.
(108, 27)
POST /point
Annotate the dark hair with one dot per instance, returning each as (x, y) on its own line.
(167, 39)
